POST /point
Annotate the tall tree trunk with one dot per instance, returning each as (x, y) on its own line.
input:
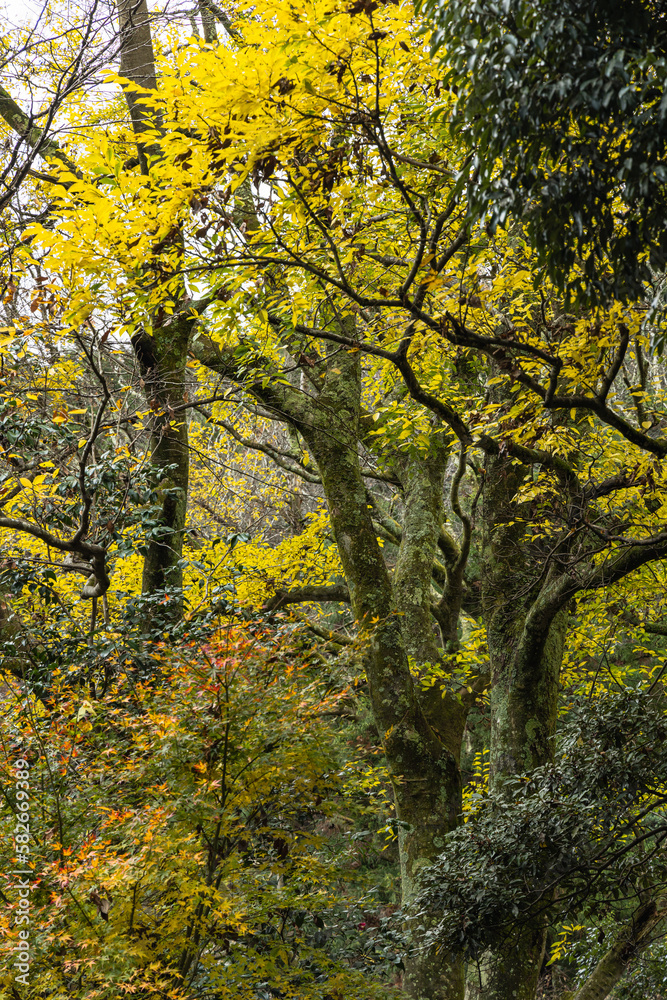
(526, 639)
(421, 739)
(425, 773)
(162, 353)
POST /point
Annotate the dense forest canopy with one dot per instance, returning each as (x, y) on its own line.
(332, 608)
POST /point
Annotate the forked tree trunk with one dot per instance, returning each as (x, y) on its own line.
(421, 737)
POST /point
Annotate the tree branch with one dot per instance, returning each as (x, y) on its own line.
(90, 551)
(324, 633)
(301, 595)
(293, 467)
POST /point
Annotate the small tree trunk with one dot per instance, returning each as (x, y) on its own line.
(162, 563)
(162, 358)
(632, 940)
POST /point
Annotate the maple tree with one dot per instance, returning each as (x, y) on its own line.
(281, 244)
(185, 830)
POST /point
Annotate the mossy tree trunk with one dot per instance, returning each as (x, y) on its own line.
(421, 734)
(526, 632)
(639, 931)
(524, 600)
(424, 769)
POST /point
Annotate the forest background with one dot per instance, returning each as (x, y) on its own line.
(332, 411)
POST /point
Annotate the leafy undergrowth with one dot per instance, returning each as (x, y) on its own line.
(189, 837)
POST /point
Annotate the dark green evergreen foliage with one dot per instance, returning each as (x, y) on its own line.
(565, 104)
(579, 838)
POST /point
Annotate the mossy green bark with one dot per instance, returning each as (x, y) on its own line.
(421, 736)
(526, 632)
(424, 771)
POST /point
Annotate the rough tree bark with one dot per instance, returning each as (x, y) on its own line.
(421, 739)
(162, 357)
(137, 64)
(526, 638)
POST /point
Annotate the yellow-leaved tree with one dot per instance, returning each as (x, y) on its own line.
(279, 240)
